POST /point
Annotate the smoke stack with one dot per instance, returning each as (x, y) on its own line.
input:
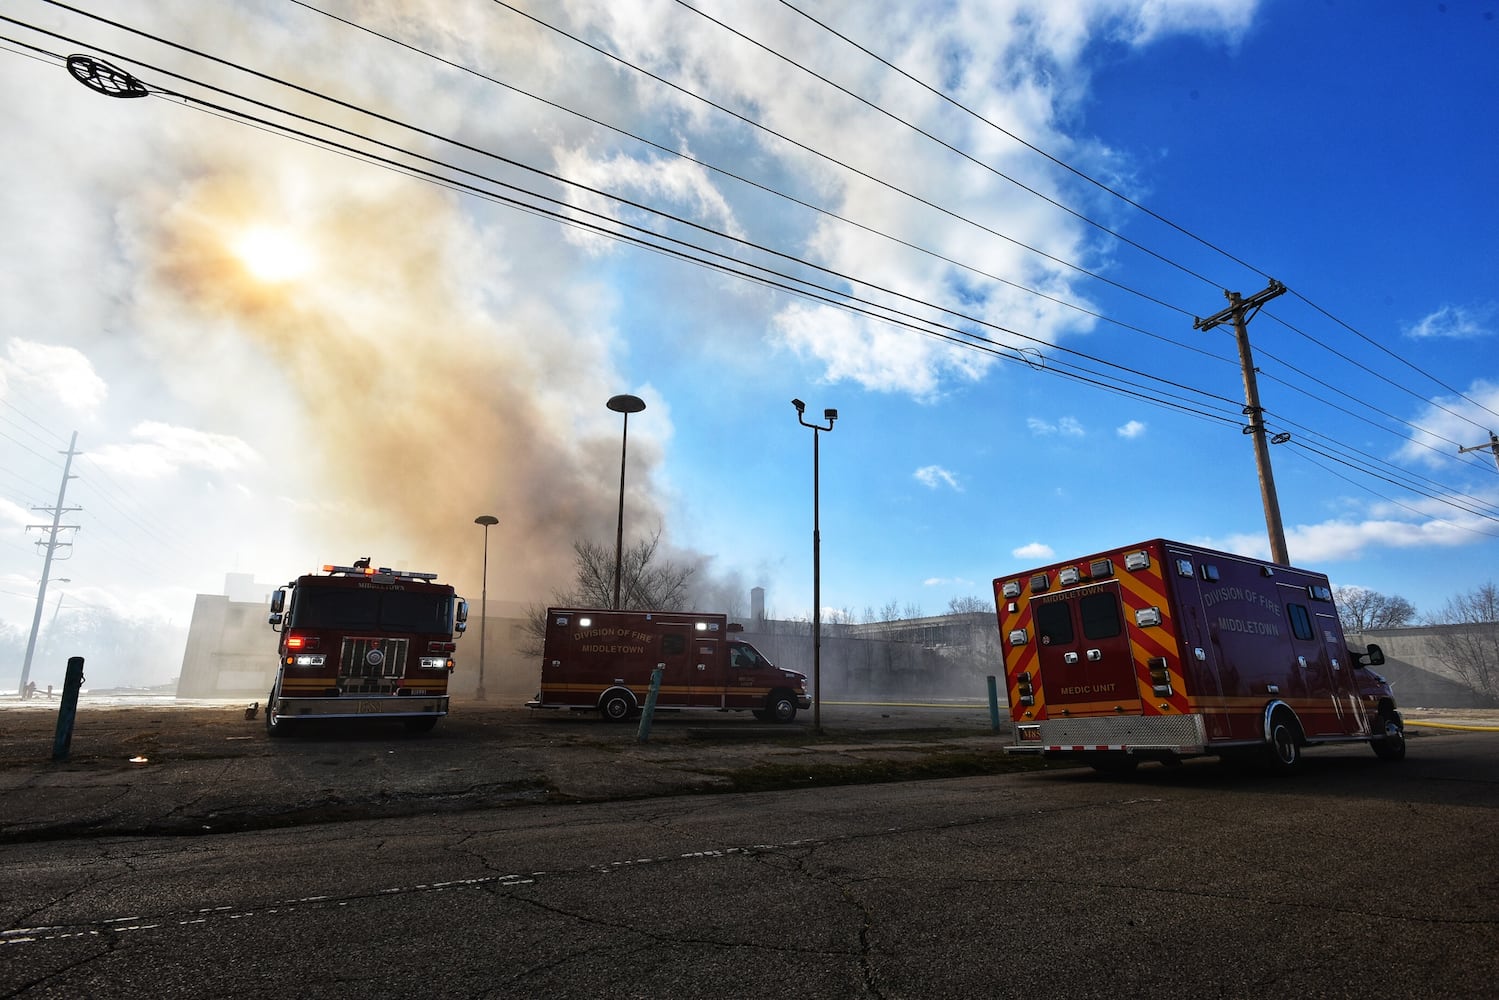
(757, 605)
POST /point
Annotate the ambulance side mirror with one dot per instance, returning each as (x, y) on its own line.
(278, 602)
(1373, 658)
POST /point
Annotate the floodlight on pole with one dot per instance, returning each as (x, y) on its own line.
(486, 520)
(627, 405)
(830, 416)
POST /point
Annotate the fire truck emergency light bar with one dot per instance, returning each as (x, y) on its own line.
(382, 571)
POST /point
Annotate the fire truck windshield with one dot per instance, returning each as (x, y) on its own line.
(387, 610)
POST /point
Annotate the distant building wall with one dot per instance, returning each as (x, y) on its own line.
(1416, 670)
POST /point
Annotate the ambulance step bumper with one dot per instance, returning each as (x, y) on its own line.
(1181, 734)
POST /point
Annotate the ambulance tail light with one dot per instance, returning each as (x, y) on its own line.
(1023, 686)
(299, 642)
(1160, 676)
(1068, 576)
(441, 647)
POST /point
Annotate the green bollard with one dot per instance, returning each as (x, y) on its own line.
(68, 708)
(644, 732)
(993, 703)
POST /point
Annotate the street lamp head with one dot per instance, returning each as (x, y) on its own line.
(625, 404)
(486, 520)
(830, 415)
(800, 406)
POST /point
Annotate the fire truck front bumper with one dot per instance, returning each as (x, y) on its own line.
(363, 706)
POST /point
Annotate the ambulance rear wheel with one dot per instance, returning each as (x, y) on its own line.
(780, 707)
(1114, 764)
(616, 706)
(1285, 744)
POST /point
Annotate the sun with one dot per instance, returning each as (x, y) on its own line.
(272, 254)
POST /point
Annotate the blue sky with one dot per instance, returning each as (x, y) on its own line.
(277, 356)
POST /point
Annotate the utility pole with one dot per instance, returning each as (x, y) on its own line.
(1240, 310)
(51, 545)
(1492, 446)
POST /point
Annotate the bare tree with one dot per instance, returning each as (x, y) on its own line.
(646, 583)
(969, 606)
(1360, 609)
(1471, 648)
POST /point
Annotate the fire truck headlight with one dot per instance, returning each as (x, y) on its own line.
(310, 660)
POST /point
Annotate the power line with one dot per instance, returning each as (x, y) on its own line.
(279, 129)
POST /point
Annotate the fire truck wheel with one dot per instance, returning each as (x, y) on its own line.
(1285, 744)
(275, 724)
(1392, 745)
(780, 707)
(616, 705)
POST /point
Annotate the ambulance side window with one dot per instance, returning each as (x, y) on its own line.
(1301, 621)
(1100, 614)
(1054, 622)
(673, 644)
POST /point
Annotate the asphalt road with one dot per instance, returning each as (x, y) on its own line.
(1353, 878)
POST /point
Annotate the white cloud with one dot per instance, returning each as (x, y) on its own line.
(1131, 430)
(14, 514)
(946, 581)
(1311, 545)
(1065, 426)
(933, 476)
(61, 372)
(161, 450)
(1034, 552)
(1455, 323)
(1447, 419)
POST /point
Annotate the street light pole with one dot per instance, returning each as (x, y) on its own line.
(627, 405)
(829, 416)
(486, 520)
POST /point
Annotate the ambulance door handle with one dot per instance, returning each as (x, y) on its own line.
(1301, 660)
(702, 666)
(1094, 655)
(1069, 657)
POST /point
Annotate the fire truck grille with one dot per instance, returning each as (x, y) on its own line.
(371, 665)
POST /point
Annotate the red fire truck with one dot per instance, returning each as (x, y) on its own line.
(363, 642)
(1165, 650)
(603, 660)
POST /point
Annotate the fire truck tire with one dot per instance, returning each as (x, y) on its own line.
(1392, 745)
(1284, 747)
(780, 706)
(616, 705)
(276, 725)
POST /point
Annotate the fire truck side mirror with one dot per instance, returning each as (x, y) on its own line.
(275, 618)
(278, 602)
(462, 611)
